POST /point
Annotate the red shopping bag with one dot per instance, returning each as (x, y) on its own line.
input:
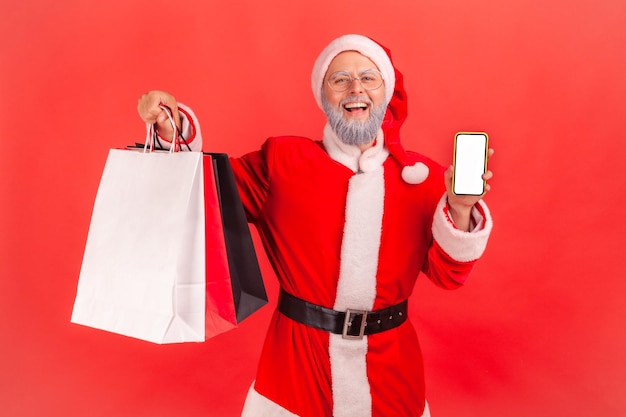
(247, 286)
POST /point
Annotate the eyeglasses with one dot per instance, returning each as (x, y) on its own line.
(341, 80)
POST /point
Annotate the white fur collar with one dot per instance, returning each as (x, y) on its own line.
(351, 156)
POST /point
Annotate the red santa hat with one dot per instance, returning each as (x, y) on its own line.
(412, 172)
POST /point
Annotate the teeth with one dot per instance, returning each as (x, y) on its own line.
(355, 105)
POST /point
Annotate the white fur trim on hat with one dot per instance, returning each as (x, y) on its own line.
(364, 46)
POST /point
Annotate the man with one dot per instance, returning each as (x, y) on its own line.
(348, 223)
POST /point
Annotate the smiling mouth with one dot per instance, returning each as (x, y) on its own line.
(355, 106)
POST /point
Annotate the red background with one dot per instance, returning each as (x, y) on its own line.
(538, 329)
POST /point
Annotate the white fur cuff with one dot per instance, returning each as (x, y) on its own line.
(459, 245)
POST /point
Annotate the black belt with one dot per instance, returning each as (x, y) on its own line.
(351, 324)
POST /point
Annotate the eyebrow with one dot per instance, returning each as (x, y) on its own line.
(360, 73)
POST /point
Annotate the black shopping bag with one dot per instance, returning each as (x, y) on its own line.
(247, 283)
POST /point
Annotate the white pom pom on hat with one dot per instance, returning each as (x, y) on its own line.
(412, 173)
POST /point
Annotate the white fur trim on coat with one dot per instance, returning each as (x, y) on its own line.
(190, 128)
(356, 289)
(462, 246)
(351, 156)
(259, 406)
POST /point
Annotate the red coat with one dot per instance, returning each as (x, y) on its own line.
(345, 231)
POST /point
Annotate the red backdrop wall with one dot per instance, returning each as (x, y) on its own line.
(538, 329)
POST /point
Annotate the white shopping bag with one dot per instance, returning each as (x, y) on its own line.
(143, 271)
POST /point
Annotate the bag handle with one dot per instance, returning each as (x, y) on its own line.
(151, 133)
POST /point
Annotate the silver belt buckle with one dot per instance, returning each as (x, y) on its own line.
(348, 322)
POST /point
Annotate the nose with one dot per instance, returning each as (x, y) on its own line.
(356, 86)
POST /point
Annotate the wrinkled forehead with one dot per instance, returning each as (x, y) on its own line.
(352, 62)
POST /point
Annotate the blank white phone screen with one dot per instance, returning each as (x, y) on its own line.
(469, 164)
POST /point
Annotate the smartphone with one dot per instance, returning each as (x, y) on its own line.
(470, 163)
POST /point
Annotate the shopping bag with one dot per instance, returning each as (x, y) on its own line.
(156, 265)
(247, 284)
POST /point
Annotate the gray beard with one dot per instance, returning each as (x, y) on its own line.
(354, 132)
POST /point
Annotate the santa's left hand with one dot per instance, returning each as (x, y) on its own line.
(460, 206)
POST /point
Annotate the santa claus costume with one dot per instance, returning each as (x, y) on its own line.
(349, 230)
